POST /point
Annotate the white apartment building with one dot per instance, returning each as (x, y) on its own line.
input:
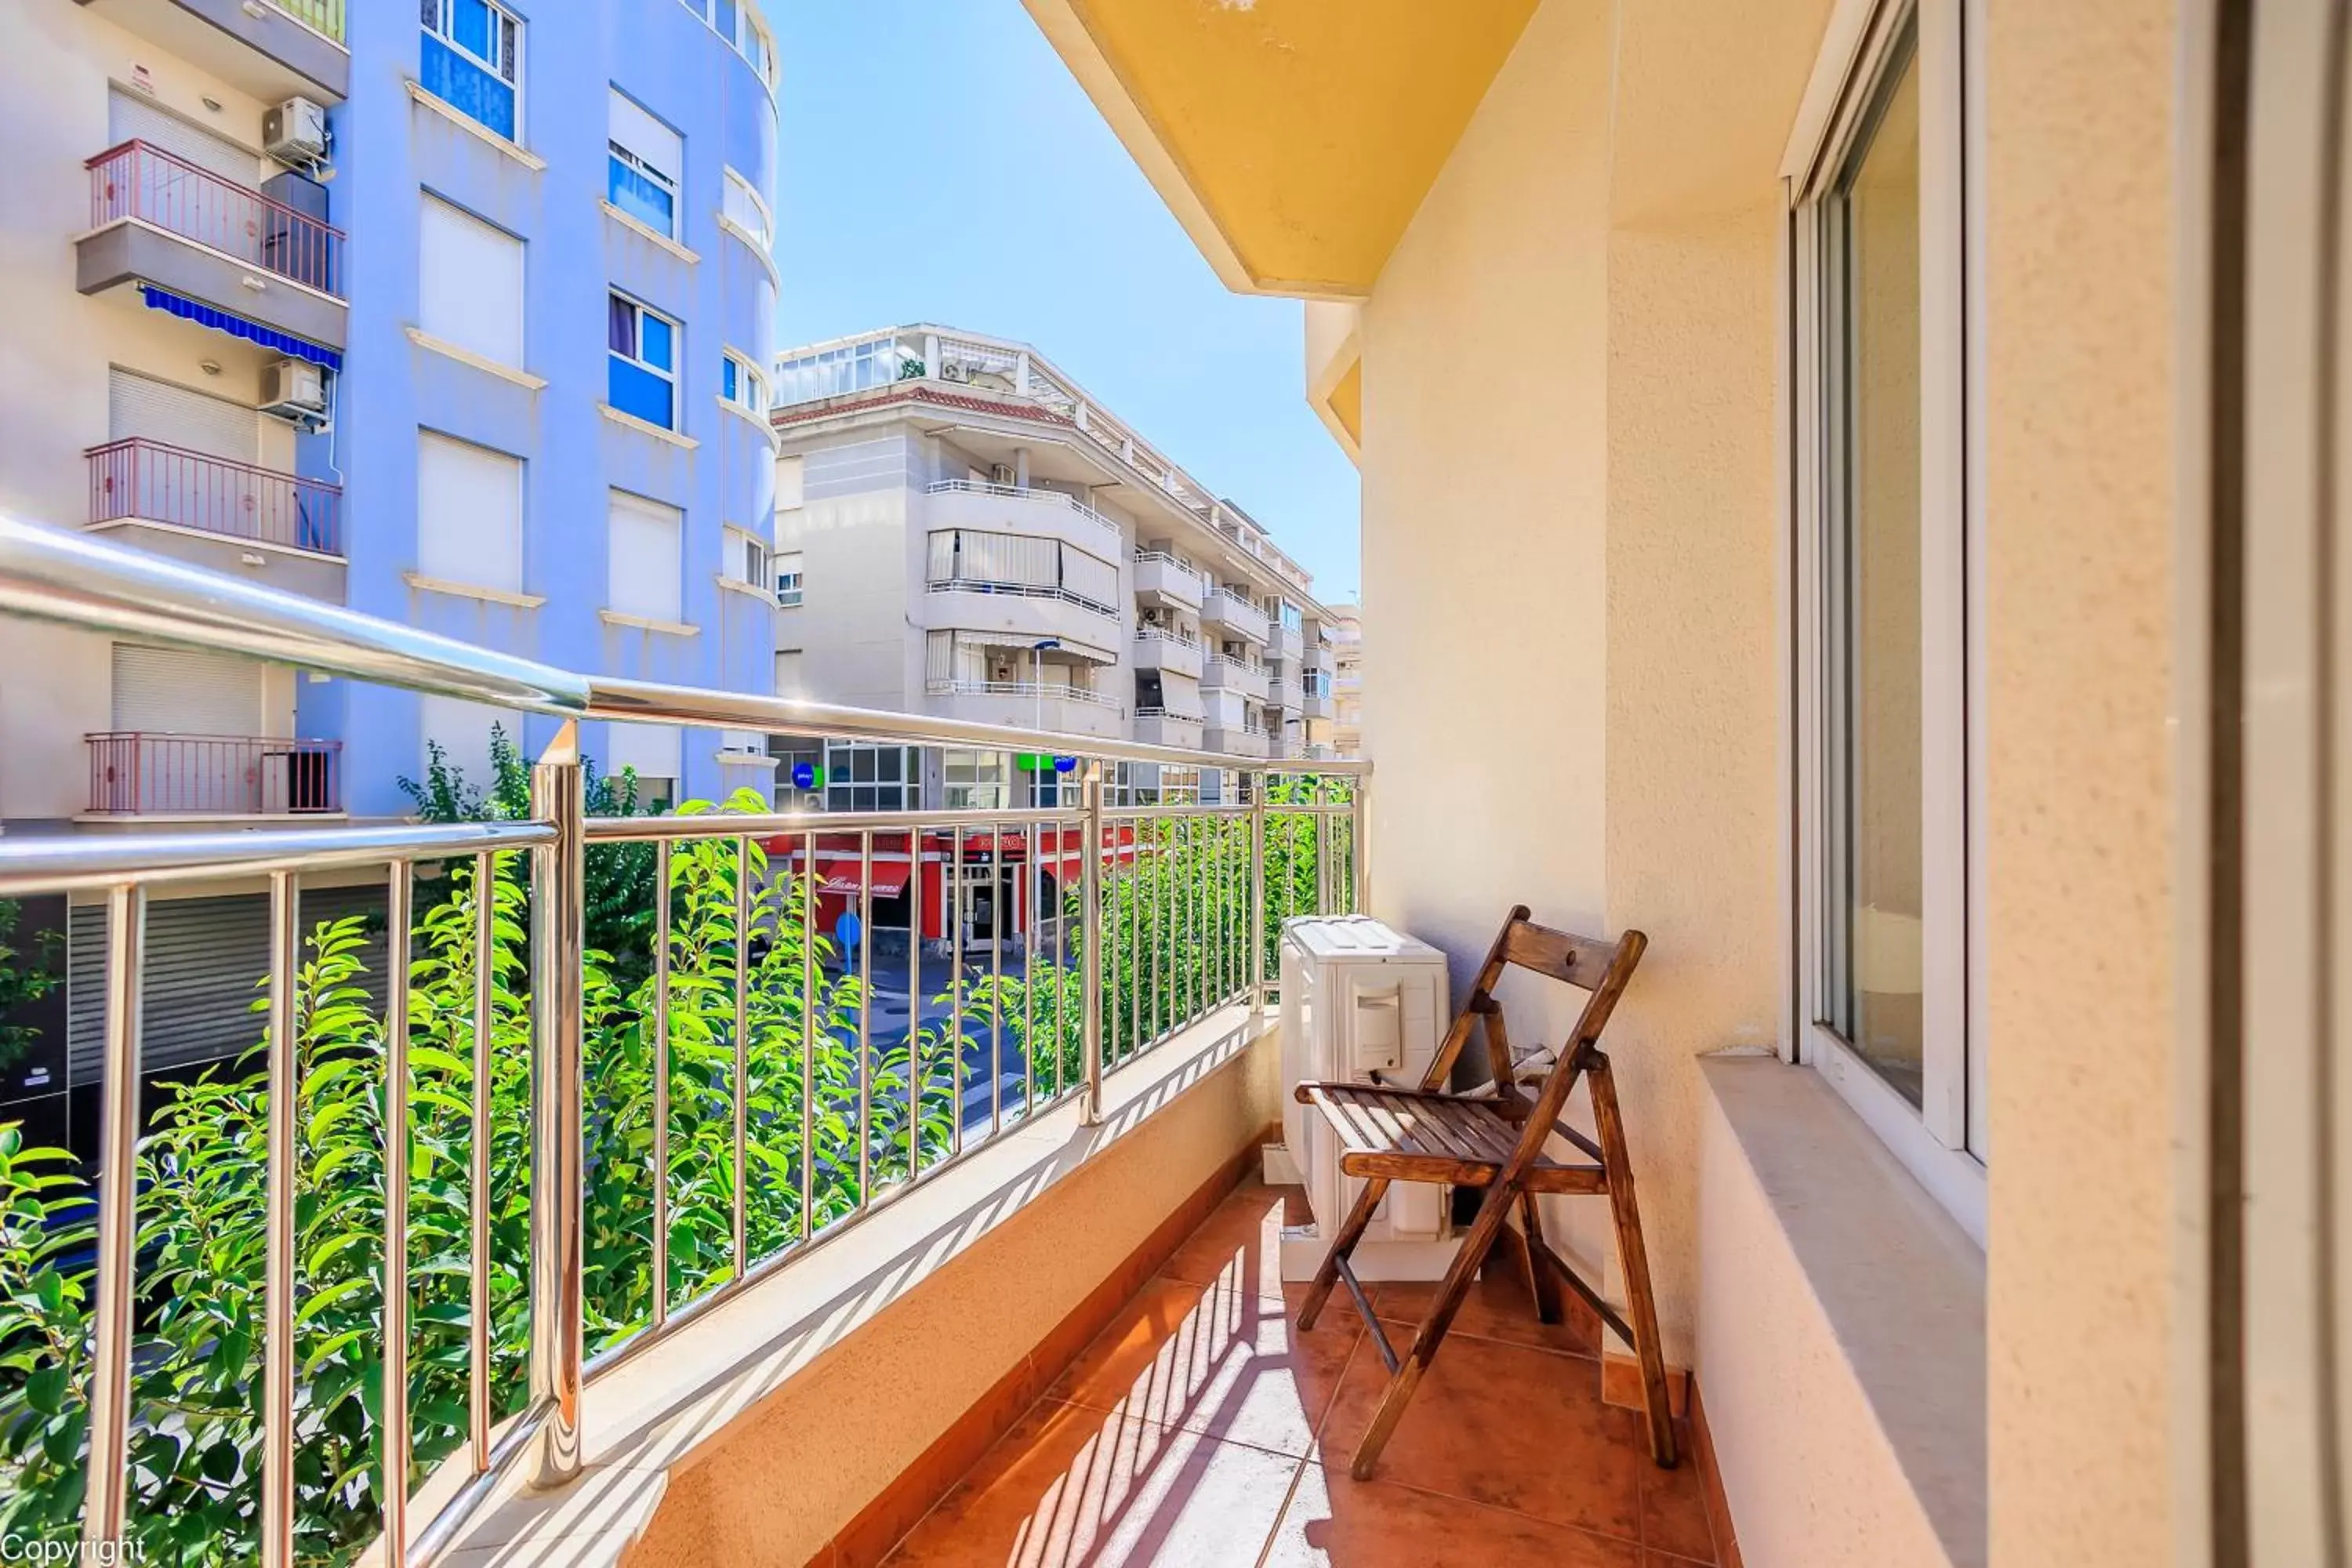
(962, 530)
(1344, 633)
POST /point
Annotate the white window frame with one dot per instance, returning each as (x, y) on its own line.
(765, 230)
(790, 572)
(616, 151)
(747, 374)
(1943, 1142)
(440, 29)
(635, 356)
(749, 559)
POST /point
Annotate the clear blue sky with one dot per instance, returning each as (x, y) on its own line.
(939, 164)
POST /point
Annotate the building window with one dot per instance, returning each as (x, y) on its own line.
(788, 577)
(468, 514)
(643, 162)
(1294, 619)
(646, 576)
(748, 211)
(469, 288)
(870, 778)
(741, 385)
(1882, 710)
(472, 61)
(975, 780)
(733, 21)
(644, 363)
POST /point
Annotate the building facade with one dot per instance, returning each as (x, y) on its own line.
(455, 315)
(962, 530)
(459, 317)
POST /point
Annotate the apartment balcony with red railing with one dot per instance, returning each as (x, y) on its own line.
(139, 480)
(161, 222)
(141, 774)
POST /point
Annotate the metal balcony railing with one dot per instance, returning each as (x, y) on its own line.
(707, 1123)
(135, 773)
(138, 180)
(321, 16)
(1028, 494)
(158, 483)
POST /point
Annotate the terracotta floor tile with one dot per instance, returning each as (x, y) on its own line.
(1666, 1560)
(1500, 1306)
(1505, 1426)
(1674, 1505)
(1214, 1360)
(1070, 1485)
(1347, 1524)
(1240, 1244)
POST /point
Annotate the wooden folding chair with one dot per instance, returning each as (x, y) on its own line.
(1389, 1134)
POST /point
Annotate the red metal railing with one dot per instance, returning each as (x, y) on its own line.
(133, 773)
(149, 479)
(142, 181)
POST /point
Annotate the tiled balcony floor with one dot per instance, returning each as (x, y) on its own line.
(1202, 1429)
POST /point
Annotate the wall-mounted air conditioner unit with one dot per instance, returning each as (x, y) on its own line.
(294, 390)
(295, 133)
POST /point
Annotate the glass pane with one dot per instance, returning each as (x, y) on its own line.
(621, 327)
(470, 24)
(653, 341)
(1876, 955)
(634, 390)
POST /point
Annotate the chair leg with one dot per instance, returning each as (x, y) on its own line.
(1540, 1278)
(1484, 1233)
(1640, 1305)
(1342, 1246)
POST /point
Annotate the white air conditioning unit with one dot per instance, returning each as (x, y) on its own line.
(1358, 998)
(294, 390)
(295, 133)
(1000, 473)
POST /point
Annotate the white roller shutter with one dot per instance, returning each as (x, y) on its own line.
(790, 489)
(1089, 578)
(654, 144)
(469, 283)
(130, 116)
(653, 750)
(647, 577)
(142, 407)
(174, 691)
(462, 730)
(468, 513)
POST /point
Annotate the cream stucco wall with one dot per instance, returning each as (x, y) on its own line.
(1569, 546)
(2081, 375)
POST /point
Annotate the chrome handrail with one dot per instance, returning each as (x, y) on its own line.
(1209, 926)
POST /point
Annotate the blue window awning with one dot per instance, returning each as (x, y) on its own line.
(219, 320)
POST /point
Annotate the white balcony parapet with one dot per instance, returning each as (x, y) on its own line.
(1046, 690)
(1030, 494)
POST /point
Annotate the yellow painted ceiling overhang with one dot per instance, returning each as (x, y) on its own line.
(1294, 139)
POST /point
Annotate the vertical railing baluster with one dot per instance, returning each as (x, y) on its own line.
(995, 978)
(1360, 845)
(951, 911)
(399, 895)
(478, 1195)
(107, 1487)
(914, 1000)
(808, 1035)
(558, 916)
(1029, 956)
(1257, 891)
(1090, 941)
(739, 1232)
(278, 1278)
(864, 1015)
(1061, 955)
(661, 1082)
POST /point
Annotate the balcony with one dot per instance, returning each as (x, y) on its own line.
(1221, 672)
(273, 49)
(1171, 651)
(136, 774)
(1286, 694)
(1315, 702)
(225, 515)
(1288, 643)
(1317, 656)
(785, 1175)
(158, 220)
(1224, 610)
(1022, 509)
(1163, 580)
(1166, 727)
(1048, 705)
(1236, 739)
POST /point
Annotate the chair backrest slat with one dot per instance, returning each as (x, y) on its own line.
(1579, 960)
